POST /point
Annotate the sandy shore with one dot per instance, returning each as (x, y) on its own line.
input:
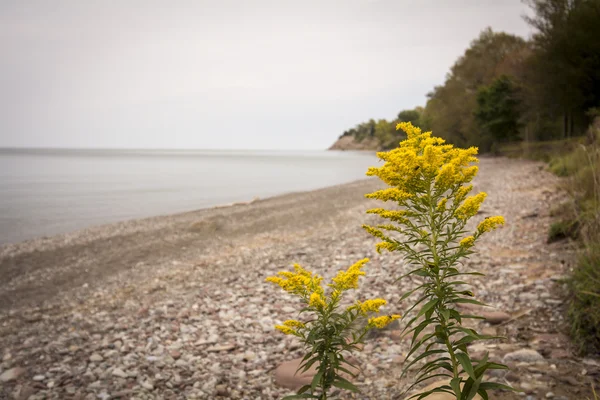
(176, 307)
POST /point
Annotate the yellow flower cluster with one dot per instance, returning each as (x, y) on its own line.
(289, 327)
(292, 323)
(467, 242)
(390, 194)
(300, 282)
(490, 224)
(372, 305)
(348, 279)
(422, 155)
(285, 329)
(441, 205)
(392, 215)
(316, 300)
(470, 206)
(386, 246)
(383, 321)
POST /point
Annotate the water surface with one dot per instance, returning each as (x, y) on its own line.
(51, 191)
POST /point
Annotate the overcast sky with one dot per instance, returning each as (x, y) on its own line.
(224, 74)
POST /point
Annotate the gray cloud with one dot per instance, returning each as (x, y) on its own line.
(224, 74)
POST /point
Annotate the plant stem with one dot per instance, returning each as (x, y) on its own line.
(438, 282)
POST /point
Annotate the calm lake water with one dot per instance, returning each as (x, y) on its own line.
(48, 191)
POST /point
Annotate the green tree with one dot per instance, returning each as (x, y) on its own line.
(497, 111)
(413, 116)
(566, 59)
(450, 107)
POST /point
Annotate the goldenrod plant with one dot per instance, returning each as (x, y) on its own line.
(430, 181)
(330, 331)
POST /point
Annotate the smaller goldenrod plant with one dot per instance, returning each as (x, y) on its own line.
(330, 331)
(430, 181)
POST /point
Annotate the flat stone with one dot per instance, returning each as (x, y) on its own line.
(119, 373)
(12, 374)
(221, 347)
(523, 355)
(287, 374)
(495, 317)
(147, 385)
(39, 378)
(96, 357)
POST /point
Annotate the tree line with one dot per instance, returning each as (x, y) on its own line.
(505, 88)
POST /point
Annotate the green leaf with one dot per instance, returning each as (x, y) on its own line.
(496, 386)
(455, 383)
(309, 364)
(316, 380)
(340, 368)
(303, 389)
(482, 393)
(423, 355)
(407, 294)
(428, 306)
(470, 301)
(446, 314)
(474, 388)
(465, 361)
(344, 384)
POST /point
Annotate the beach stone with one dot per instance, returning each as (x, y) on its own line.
(221, 347)
(39, 378)
(148, 385)
(523, 355)
(495, 317)
(12, 374)
(119, 373)
(96, 357)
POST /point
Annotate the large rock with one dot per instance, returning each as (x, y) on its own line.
(12, 374)
(287, 374)
(495, 317)
(523, 355)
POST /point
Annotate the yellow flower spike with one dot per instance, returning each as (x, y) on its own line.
(470, 206)
(441, 205)
(316, 300)
(372, 305)
(410, 130)
(285, 329)
(392, 215)
(385, 246)
(490, 224)
(469, 173)
(462, 193)
(348, 279)
(383, 321)
(375, 232)
(446, 177)
(275, 279)
(467, 242)
(390, 194)
(292, 323)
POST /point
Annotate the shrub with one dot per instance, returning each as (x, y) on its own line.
(584, 310)
(562, 230)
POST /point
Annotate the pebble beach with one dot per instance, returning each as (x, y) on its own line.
(177, 307)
